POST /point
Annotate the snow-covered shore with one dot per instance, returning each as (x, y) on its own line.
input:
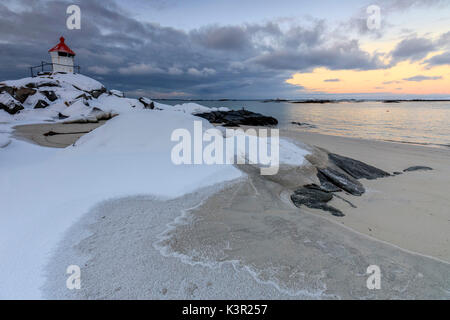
(43, 191)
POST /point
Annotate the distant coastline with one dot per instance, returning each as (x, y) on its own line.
(319, 101)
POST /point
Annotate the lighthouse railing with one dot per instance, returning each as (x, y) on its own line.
(44, 64)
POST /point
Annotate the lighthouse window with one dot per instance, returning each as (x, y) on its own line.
(63, 54)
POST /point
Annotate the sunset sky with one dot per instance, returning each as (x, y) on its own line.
(241, 49)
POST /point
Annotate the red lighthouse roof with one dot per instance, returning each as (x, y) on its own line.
(61, 47)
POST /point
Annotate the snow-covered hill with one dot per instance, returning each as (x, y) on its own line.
(69, 97)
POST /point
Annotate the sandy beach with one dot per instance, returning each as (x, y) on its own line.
(247, 240)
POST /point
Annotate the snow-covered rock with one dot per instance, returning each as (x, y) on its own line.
(72, 98)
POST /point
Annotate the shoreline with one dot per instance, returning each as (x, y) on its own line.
(388, 227)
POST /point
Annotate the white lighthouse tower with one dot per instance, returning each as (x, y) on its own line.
(62, 57)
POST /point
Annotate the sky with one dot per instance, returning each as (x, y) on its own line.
(241, 49)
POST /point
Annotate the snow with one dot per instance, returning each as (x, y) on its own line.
(44, 191)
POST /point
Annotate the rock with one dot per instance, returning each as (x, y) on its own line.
(84, 96)
(9, 104)
(237, 118)
(343, 181)
(50, 95)
(417, 168)
(41, 104)
(97, 93)
(23, 93)
(8, 89)
(326, 185)
(315, 199)
(396, 173)
(61, 116)
(48, 84)
(303, 124)
(356, 168)
(117, 93)
(148, 104)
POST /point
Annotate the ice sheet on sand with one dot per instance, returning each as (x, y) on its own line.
(43, 191)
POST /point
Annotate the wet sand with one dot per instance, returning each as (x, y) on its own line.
(247, 240)
(410, 210)
(66, 134)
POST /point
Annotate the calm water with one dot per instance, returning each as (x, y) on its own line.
(409, 122)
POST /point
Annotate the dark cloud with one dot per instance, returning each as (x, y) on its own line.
(421, 78)
(439, 60)
(332, 80)
(240, 61)
(412, 49)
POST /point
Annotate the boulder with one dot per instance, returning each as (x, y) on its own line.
(148, 104)
(50, 95)
(356, 168)
(9, 104)
(237, 118)
(7, 89)
(23, 93)
(117, 93)
(315, 199)
(97, 93)
(417, 168)
(326, 185)
(343, 181)
(41, 104)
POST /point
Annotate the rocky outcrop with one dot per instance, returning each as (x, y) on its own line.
(148, 104)
(343, 181)
(97, 93)
(356, 168)
(41, 104)
(7, 89)
(417, 168)
(9, 104)
(237, 118)
(23, 93)
(314, 198)
(50, 95)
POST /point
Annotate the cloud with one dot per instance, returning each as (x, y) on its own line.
(421, 78)
(250, 60)
(332, 80)
(413, 49)
(201, 73)
(439, 60)
(99, 70)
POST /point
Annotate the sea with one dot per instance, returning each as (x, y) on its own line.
(414, 122)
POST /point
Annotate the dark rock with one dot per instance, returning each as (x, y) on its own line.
(50, 95)
(84, 96)
(48, 84)
(303, 124)
(12, 108)
(62, 116)
(8, 89)
(41, 104)
(315, 199)
(326, 185)
(97, 93)
(237, 118)
(343, 181)
(147, 103)
(396, 173)
(22, 94)
(417, 168)
(356, 168)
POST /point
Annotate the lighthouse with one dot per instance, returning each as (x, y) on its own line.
(62, 57)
